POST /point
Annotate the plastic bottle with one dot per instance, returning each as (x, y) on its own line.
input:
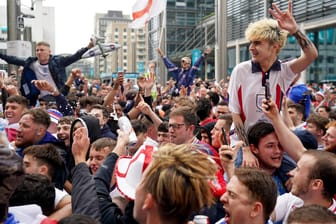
(125, 126)
(3, 137)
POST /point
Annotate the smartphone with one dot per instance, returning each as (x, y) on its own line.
(225, 142)
(267, 90)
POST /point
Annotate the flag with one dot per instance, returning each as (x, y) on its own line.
(144, 10)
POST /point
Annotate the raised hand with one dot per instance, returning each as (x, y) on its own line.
(207, 50)
(146, 83)
(183, 91)
(160, 52)
(227, 156)
(43, 85)
(122, 141)
(285, 19)
(91, 43)
(12, 90)
(270, 109)
(80, 145)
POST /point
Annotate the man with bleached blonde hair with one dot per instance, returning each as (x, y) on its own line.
(250, 79)
(174, 185)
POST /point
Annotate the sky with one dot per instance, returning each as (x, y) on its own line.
(74, 20)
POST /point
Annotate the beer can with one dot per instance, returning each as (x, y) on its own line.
(201, 219)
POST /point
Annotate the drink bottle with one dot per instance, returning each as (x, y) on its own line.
(125, 126)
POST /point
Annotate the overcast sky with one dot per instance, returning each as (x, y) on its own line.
(75, 19)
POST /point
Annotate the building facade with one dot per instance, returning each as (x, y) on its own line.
(132, 55)
(175, 31)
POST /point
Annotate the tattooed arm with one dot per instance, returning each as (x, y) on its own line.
(249, 160)
(309, 53)
(287, 22)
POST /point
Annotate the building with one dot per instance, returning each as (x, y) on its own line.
(180, 34)
(132, 55)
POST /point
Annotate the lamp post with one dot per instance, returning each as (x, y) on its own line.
(221, 40)
(13, 10)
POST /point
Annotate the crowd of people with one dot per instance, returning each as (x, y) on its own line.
(256, 148)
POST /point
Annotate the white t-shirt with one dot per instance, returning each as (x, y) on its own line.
(247, 92)
(43, 73)
(59, 195)
(286, 203)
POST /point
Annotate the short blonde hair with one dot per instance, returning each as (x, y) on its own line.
(178, 180)
(266, 29)
(43, 43)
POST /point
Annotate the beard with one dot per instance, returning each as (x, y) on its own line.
(301, 189)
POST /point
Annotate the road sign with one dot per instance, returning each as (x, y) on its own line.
(19, 48)
(20, 22)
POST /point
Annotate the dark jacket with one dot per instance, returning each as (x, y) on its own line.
(106, 132)
(183, 77)
(110, 212)
(91, 196)
(83, 196)
(57, 65)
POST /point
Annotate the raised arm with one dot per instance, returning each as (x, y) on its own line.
(160, 52)
(288, 140)
(249, 160)
(285, 115)
(287, 22)
(62, 103)
(84, 197)
(109, 99)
